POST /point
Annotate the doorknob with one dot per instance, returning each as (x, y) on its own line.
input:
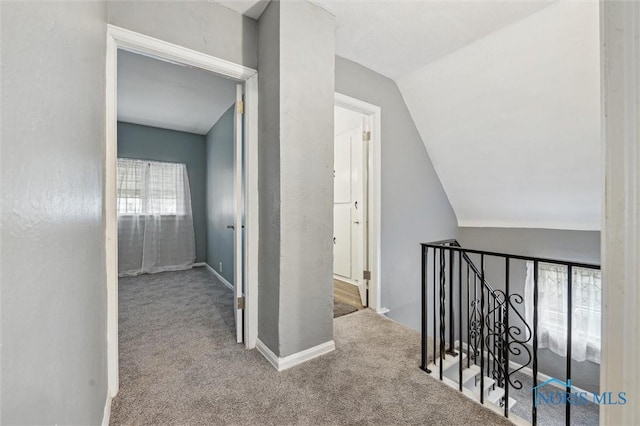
(231, 227)
(357, 222)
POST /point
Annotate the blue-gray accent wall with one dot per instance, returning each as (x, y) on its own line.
(152, 143)
(220, 199)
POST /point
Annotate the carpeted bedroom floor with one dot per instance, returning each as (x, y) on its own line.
(179, 364)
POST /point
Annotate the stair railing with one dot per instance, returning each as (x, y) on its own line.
(495, 325)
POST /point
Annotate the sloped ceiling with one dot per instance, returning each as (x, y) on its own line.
(512, 122)
(397, 37)
(160, 94)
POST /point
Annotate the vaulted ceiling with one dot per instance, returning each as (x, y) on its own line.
(505, 95)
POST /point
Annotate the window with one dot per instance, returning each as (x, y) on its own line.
(586, 303)
(152, 188)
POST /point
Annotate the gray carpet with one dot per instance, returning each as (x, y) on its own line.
(179, 365)
(548, 414)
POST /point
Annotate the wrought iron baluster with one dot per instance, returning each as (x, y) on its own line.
(475, 313)
(493, 327)
(468, 321)
(460, 320)
(442, 311)
(482, 329)
(451, 314)
(569, 325)
(425, 325)
(505, 348)
(534, 406)
(434, 306)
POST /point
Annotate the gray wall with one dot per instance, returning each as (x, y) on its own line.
(54, 358)
(307, 52)
(53, 132)
(269, 176)
(415, 208)
(152, 143)
(579, 246)
(296, 161)
(199, 25)
(220, 195)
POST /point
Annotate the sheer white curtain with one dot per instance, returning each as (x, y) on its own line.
(155, 221)
(553, 307)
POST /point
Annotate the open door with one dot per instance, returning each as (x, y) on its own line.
(350, 209)
(360, 155)
(238, 287)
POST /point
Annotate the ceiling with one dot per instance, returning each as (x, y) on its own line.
(251, 8)
(505, 95)
(161, 94)
(393, 37)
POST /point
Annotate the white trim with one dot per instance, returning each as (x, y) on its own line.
(620, 249)
(375, 190)
(110, 213)
(383, 311)
(107, 410)
(298, 358)
(120, 38)
(169, 52)
(345, 280)
(216, 274)
(575, 226)
(513, 418)
(251, 212)
(528, 371)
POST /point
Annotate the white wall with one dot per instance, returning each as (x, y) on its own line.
(512, 122)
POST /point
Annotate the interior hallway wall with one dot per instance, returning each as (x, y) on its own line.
(54, 345)
(415, 208)
(54, 358)
(297, 50)
(220, 205)
(201, 25)
(152, 143)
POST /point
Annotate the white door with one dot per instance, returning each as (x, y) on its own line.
(238, 287)
(349, 210)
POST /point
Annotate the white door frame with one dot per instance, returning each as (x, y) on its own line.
(373, 112)
(120, 38)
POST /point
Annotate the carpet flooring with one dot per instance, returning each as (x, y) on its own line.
(179, 365)
(549, 414)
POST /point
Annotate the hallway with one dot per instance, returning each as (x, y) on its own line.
(179, 364)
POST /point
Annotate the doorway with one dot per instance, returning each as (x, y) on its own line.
(356, 205)
(244, 202)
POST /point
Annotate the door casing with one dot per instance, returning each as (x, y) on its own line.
(120, 38)
(371, 262)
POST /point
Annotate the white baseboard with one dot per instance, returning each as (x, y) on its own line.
(383, 311)
(107, 410)
(527, 371)
(298, 358)
(214, 272)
